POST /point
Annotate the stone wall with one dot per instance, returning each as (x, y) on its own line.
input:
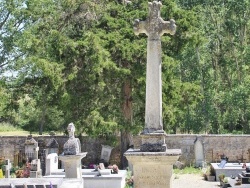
(235, 147)
(12, 145)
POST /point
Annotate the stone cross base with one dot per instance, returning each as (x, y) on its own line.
(153, 169)
(72, 165)
(153, 142)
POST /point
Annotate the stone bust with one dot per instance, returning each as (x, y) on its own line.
(73, 145)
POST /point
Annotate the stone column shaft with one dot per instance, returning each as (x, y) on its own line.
(153, 110)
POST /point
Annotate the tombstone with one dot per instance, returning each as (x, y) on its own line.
(52, 146)
(199, 153)
(35, 171)
(106, 152)
(7, 167)
(31, 152)
(51, 163)
(43, 156)
(153, 162)
(31, 148)
(72, 155)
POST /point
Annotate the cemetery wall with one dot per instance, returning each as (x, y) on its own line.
(235, 147)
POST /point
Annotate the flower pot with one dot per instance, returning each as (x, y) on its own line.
(210, 178)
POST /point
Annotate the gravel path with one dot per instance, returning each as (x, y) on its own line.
(192, 181)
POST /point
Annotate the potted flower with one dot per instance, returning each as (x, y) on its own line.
(210, 174)
(221, 178)
(114, 169)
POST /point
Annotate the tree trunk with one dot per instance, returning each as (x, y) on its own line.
(43, 115)
(127, 113)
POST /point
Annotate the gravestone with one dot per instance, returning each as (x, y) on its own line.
(153, 162)
(31, 148)
(72, 155)
(52, 146)
(7, 167)
(199, 153)
(31, 153)
(51, 163)
(35, 171)
(105, 153)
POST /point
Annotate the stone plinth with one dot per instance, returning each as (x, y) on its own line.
(153, 169)
(154, 142)
(72, 165)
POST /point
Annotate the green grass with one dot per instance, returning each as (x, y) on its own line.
(188, 170)
(7, 129)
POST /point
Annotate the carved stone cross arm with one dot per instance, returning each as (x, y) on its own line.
(154, 26)
(168, 27)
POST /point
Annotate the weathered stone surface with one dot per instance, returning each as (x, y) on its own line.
(154, 27)
(152, 169)
(147, 147)
(73, 145)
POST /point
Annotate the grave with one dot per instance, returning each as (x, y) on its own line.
(52, 146)
(244, 177)
(105, 153)
(199, 152)
(153, 162)
(87, 178)
(31, 153)
(51, 163)
(6, 168)
(31, 148)
(229, 169)
(92, 178)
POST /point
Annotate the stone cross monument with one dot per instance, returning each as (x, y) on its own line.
(154, 27)
(153, 162)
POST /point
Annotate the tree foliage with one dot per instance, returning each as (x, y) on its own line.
(79, 61)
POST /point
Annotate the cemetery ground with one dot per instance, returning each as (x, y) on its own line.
(192, 181)
(190, 177)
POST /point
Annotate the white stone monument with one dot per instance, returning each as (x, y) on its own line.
(72, 155)
(51, 163)
(199, 153)
(106, 152)
(153, 162)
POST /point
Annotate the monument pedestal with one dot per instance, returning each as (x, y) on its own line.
(153, 169)
(73, 165)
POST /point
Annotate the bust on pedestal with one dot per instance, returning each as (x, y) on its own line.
(72, 155)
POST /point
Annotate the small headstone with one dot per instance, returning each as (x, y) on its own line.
(51, 163)
(199, 152)
(106, 151)
(35, 170)
(52, 146)
(7, 168)
(31, 148)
